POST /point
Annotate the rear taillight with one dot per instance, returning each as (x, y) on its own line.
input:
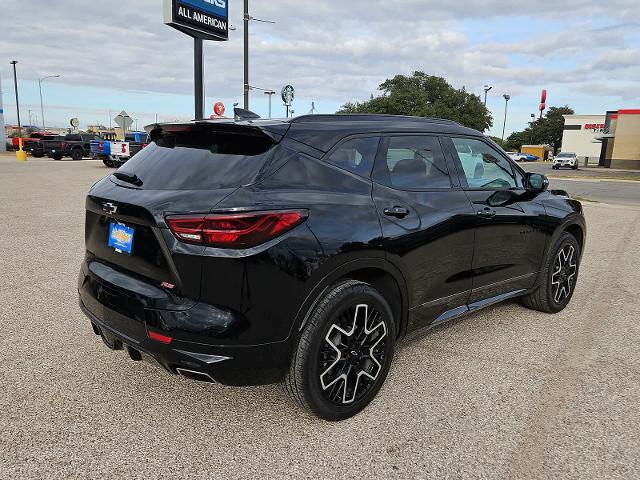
(234, 230)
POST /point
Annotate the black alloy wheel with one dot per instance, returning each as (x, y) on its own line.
(557, 280)
(565, 270)
(345, 352)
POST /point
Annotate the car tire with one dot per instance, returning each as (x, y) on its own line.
(558, 278)
(108, 163)
(77, 154)
(37, 155)
(57, 156)
(344, 353)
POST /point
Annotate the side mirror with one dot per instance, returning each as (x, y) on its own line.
(537, 182)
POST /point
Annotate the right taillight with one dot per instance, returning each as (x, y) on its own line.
(234, 230)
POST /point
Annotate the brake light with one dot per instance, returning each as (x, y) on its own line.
(234, 230)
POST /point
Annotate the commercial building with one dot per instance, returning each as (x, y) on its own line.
(610, 140)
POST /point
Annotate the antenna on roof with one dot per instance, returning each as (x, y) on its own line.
(313, 110)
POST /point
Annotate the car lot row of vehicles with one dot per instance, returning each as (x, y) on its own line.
(79, 145)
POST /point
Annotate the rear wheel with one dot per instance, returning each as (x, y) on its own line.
(558, 278)
(108, 163)
(344, 354)
(57, 156)
(77, 154)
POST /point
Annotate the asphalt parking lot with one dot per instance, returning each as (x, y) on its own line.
(506, 393)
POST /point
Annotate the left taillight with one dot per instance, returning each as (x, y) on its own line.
(234, 230)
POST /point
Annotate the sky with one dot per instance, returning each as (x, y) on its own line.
(114, 56)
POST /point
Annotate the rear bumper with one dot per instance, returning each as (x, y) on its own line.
(124, 319)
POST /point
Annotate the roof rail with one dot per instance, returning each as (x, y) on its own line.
(368, 117)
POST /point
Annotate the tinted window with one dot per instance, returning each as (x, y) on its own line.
(201, 160)
(73, 137)
(484, 167)
(414, 163)
(356, 155)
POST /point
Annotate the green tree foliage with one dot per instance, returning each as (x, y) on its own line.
(545, 131)
(425, 95)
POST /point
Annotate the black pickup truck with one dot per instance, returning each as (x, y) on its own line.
(74, 145)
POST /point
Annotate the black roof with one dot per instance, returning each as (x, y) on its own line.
(322, 132)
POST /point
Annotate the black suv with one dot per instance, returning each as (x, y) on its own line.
(302, 251)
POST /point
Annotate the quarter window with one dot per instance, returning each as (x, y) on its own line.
(415, 163)
(356, 155)
(484, 167)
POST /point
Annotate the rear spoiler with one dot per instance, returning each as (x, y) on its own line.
(274, 130)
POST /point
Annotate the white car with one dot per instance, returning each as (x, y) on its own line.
(565, 159)
(518, 157)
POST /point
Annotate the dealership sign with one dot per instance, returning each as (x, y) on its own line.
(206, 19)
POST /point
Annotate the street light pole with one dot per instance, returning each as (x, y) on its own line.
(40, 80)
(506, 105)
(271, 93)
(246, 54)
(487, 88)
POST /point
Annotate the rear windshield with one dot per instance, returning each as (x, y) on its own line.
(200, 159)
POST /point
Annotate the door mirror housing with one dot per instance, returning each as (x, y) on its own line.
(537, 182)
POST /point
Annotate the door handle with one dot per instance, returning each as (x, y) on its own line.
(487, 213)
(398, 212)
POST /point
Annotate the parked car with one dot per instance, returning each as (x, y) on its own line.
(565, 159)
(528, 157)
(303, 250)
(116, 153)
(74, 145)
(516, 156)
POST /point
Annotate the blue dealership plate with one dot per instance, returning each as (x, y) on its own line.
(121, 238)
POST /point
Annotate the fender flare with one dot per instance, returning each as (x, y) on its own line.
(343, 270)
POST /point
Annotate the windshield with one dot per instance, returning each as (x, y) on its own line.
(566, 155)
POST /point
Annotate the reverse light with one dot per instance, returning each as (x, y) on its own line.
(234, 230)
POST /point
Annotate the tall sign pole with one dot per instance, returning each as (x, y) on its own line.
(202, 20)
(3, 141)
(246, 19)
(198, 77)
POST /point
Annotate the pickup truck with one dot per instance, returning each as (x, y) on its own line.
(31, 143)
(116, 154)
(74, 145)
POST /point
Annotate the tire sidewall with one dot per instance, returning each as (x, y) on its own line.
(326, 315)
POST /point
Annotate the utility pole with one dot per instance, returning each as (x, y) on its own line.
(246, 54)
(506, 105)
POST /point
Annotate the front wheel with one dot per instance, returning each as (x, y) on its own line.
(344, 353)
(77, 154)
(558, 278)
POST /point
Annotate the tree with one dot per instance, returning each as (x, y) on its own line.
(545, 131)
(425, 95)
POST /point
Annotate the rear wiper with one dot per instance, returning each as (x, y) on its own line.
(128, 177)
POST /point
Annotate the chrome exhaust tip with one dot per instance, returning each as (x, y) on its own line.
(195, 375)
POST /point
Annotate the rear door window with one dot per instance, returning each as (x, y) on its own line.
(413, 163)
(201, 159)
